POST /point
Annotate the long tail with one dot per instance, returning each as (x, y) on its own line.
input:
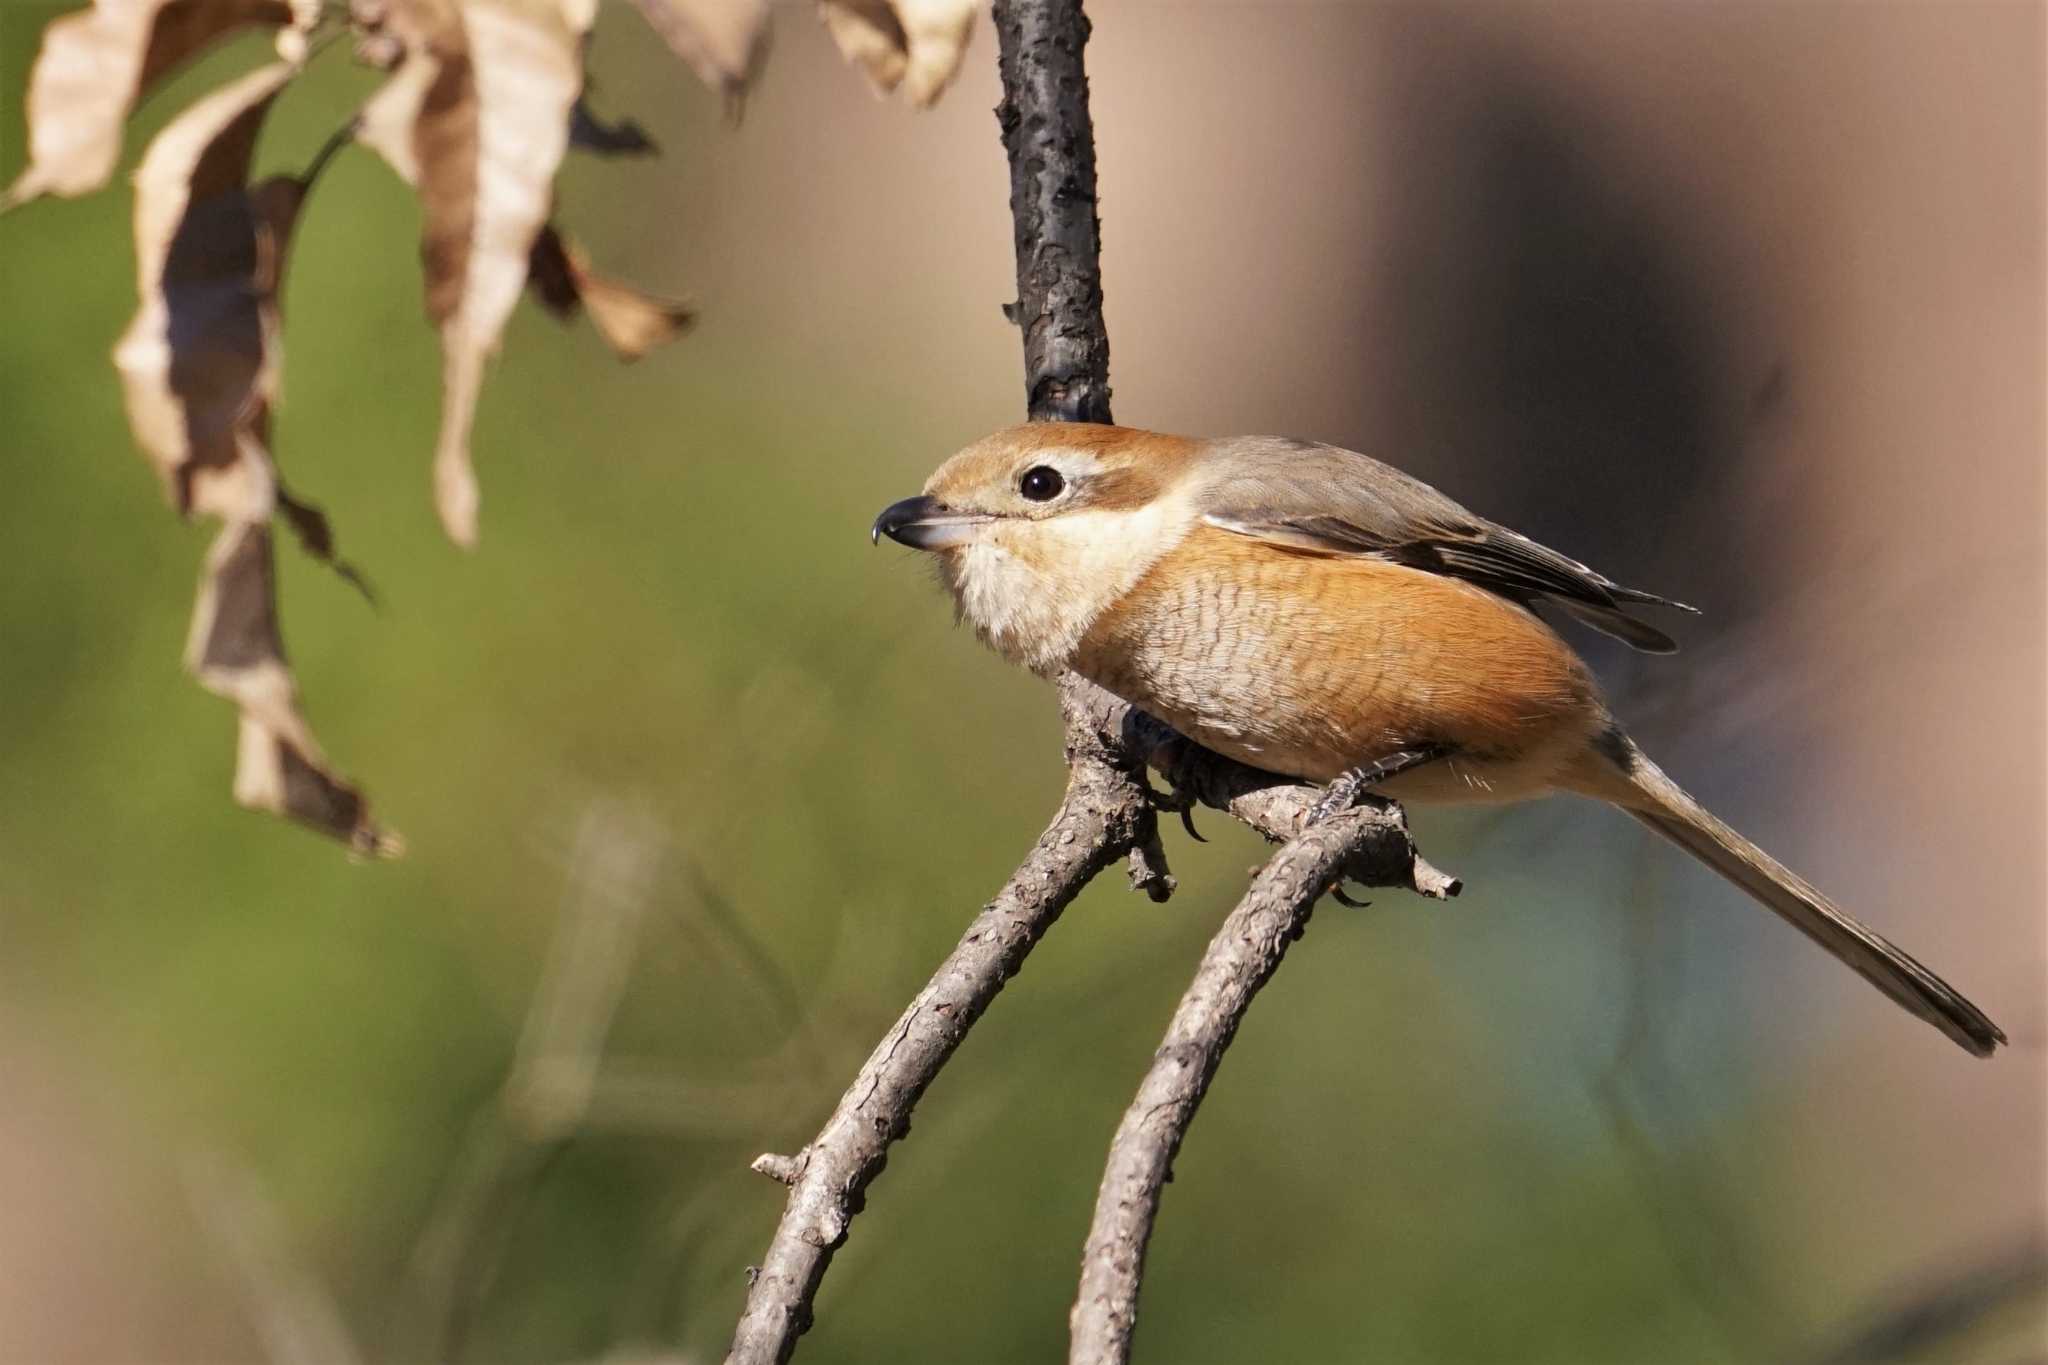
(1619, 772)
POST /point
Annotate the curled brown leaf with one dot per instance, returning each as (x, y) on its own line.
(237, 651)
(590, 131)
(95, 64)
(200, 367)
(199, 363)
(912, 45)
(631, 322)
(476, 119)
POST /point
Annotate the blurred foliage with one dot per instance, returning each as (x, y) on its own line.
(1414, 1154)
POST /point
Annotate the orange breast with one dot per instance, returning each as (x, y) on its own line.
(1308, 665)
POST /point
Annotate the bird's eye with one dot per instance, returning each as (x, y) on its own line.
(1041, 483)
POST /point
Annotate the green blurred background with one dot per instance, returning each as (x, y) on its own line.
(1742, 303)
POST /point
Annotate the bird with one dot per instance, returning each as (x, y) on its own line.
(1319, 614)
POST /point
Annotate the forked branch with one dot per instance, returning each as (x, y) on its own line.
(1370, 843)
(1103, 816)
(1107, 814)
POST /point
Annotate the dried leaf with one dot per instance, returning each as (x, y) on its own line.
(237, 652)
(423, 121)
(199, 364)
(316, 537)
(590, 132)
(912, 44)
(631, 322)
(870, 36)
(95, 64)
(476, 119)
(551, 278)
(721, 40)
(200, 367)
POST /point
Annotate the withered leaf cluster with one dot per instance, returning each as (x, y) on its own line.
(482, 101)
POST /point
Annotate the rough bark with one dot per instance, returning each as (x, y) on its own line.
(1107, 814)
(1277, 807)
(1371, 843)
(1051, 144)
(1103, 816)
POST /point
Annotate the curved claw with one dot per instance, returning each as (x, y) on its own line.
(1177, 801)
(1337, 895)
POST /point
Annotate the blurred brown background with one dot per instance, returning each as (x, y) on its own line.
(1743, 303)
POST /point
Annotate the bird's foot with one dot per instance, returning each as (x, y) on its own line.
(1175, 801)
(1345, 789)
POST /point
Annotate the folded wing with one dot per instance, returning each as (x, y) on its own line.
(1317, 499)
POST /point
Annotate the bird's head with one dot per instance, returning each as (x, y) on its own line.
(1039, 528)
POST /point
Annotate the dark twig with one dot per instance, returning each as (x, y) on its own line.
(1371, 843)
(1051, 144)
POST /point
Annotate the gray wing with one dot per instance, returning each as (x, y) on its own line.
(1318, 499)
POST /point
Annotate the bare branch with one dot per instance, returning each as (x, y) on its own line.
(1371, 843)
(1105, 813)
(1051, 144)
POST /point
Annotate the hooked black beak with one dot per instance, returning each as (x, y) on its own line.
(924, 523)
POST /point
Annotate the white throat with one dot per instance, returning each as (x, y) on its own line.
(1032, 589)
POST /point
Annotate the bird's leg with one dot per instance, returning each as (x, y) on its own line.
(1345, 789)
(1176, 799)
